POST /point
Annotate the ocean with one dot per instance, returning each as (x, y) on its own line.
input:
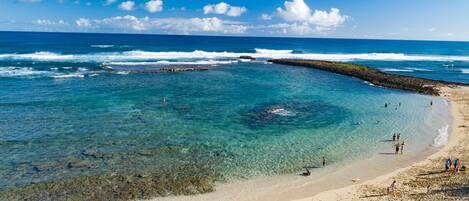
(61, 105)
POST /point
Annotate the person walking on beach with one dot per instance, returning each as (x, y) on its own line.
(447, 164)
(394, 137)
(397, 148)
(456, 165)
(323, 161)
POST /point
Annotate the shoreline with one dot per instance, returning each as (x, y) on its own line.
(326, 184)
(374, 189)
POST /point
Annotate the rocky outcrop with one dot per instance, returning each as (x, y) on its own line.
(247, 57)
(376, 77)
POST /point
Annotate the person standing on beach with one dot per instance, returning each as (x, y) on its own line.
(456, 165)
(397, 148)
(323, 161)
(447, 164)
(394, 137)
(398, 136)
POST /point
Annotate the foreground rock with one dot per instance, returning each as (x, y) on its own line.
(376, 77)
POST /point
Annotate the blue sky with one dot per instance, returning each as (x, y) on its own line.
(388, 19)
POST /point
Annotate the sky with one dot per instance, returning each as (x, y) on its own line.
(382, 19)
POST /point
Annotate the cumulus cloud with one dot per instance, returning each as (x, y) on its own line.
(223, 8)
(127, 5)
(167, 25)
(154, 6)
(83, 22)
(303, 20)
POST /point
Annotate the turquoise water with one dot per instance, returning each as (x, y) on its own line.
(242, 119)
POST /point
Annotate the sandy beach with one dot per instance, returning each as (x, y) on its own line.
(412, 181)
(413, 172)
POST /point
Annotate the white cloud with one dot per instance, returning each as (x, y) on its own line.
(223, 8)
(127, 5)
(109, 2)
(154, 6)
(49, 22)
(266, 16)
(83, 22)
(305, 21)
(168, 25)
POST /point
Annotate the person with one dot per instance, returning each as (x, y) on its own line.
(447, 164)
(402, 147)
(385, 105)
(456, 165)
(323, 161)
(394, 137)
(399, 104)
(392, 187)
(307, 173)
(431, 103)
(398, 136)
(397, 148)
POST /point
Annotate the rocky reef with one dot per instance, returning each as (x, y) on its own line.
(376, 77)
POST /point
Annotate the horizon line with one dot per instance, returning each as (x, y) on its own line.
(234, 36)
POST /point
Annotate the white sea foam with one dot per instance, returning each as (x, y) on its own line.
(71, 75)
(138, 55)
(200, 62)
(102, 46)
(465, 71)
(21, 72)
(396, 70)
(269, 51)
(442, 137)
(419, 69)
(282, 112)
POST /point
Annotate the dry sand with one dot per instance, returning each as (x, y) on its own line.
(375, 173)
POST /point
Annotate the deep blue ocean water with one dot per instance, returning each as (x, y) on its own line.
(58, 100)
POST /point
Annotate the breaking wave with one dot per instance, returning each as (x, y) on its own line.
(138, 55)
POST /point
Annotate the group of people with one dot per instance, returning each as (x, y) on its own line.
(308, 173)
(456, 165)
(399, 145)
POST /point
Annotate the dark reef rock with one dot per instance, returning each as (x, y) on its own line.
(419, 85)
(247, 57)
